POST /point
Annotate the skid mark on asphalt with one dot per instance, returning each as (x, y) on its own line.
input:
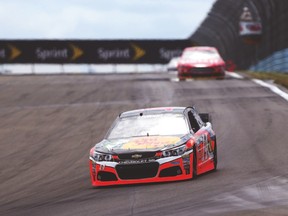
(268, 193)
(177, 80)
(229, 74)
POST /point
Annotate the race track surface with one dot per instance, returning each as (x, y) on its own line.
(49, 123)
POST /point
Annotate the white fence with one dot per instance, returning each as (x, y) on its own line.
(14, 69)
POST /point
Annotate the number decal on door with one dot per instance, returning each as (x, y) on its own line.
(207, 148)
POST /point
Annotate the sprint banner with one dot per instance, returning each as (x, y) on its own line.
(91, 51)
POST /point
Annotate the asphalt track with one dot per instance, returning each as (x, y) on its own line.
(49, 123)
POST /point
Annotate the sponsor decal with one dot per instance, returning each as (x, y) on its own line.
(249, 25)
(15, 52)
(250, 28)
(124, 53)
(107, 54)
(53, 53)
(11, 52)
(150, 142)
(186, 156)
(205, 150)
(186, 161)
(175, 162)
(94, 51)
(136, 156)
(59, 53)
(136, 161)
(77, 52)
(168, 54)
(209, 146)
(139, 52)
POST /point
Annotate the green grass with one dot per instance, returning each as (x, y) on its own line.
(279, 78)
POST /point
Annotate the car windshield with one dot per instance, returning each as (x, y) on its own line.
(150, 125)
(200, 54)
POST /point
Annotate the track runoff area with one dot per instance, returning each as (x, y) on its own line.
(49, 123)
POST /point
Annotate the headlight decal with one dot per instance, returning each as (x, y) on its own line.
(178, 151)
(174, 152)
(97, 156)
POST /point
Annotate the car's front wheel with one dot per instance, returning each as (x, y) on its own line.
(194, 166)
(181, 79)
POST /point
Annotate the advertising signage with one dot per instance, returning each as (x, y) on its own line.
(91, 51)
(250, 27)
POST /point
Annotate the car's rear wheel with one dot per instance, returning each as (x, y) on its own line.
(215, 159)
(220, 78)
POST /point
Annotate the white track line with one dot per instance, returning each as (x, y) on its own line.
(177, 80)
(273, 88)
(234, 75)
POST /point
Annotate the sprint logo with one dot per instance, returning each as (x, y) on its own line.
(77, 52)
(54, 53)
(72, 52)
(139, 52)
(107, 54)
(14, 52)
(11, 52)
(134, 53)
(168, 54)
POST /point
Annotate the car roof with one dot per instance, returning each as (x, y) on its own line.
(155, 110)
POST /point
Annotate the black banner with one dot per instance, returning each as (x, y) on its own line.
(91, 51)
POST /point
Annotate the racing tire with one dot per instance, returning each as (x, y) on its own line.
(220, 78)
(194, 164)
(182, 79)
(215, 159)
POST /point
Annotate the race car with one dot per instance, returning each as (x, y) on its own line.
(154, 145)
(200, 61)
(173, 63)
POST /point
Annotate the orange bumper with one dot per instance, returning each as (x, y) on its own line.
(177, 169)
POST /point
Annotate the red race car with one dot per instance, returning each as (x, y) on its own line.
(200, 61)
(154, 145)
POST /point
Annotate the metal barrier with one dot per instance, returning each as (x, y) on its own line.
(87, 56)
(90, 51)
(277, 62)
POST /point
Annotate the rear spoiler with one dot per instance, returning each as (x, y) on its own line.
(206, 117)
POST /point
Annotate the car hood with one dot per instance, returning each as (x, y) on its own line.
(202, 62)
(140, 144)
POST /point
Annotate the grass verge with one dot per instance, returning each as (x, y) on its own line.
(279, 78)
